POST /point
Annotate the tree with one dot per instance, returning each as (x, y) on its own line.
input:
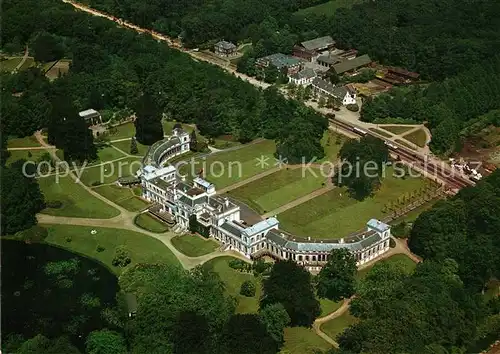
(21, 199)
(193, 144)
(290, 285)
(105, 342)
(336, 280)
(133, 147)
(321, 102)
(247, 288)
(47, 48)
(275, 319)
(121, 257)
(148, 120)
(42, 345)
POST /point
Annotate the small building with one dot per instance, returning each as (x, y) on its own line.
(328, 60)
(92, 116)
(225, 49)
(309, 50)
(347, 66)
(327, 89)
(285, 63)
(131, 301)
(303, 77)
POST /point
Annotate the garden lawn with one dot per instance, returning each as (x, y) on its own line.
(335, 214)
(108, 153)
(226, 168)
(405, 143)
(396, 129)
(10, 64)
(405, 261)
(122, 196)
(24, 154)
(125, 146)
(142, 248)
(337, 325)
(28, 63)
(233, 280)
(28, 141)
(381, 132)
(278, 188)
(122, 131)
(328, 306)
(150, 223)
(332, 142)
(109, 172)
(76, 201)
(193, 245)
(418, 137)
(168, 126)
(302, 340)
(328, 8)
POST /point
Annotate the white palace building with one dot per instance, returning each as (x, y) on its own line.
(175, 201)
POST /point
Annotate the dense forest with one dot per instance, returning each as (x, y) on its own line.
(112, 68)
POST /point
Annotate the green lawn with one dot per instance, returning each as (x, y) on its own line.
(122, 131)
(493, 289)
(418, 137)
(332, 142)
(328, 8)
(150, 223)
(24, 154)
(302, 340)
(122, 196)
(168, 126)
(10, 64)
(413, 215)
(193, 245)
(407, 264)
(28, 63)
(328, 306)
(396, 129)
(233, 280)
(28, 141)
(108, 153)
(336, 326)
(142, 248)
(76, 201)
(226, 168)
(125, 146)
(335, 214)
(110, 172)
(380, 132)
(278, 188)
(404, 143)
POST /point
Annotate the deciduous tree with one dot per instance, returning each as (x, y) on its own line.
(336, 279)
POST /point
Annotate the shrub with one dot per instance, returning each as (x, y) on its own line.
(53, 204)
(96, 183)
(248, 288)
(352, 107)
(237, 264)
(100, 248)
(400, 230)
(392, 243)
(259, 266)
(122, 257)
(35, 233)
(69, 239)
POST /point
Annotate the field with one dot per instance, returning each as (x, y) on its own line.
(76, 201)
(226, 168)
(122, 196)
(407, 264)
(125, 146)
(396, 129)
(328, 8)
(278, 188)
(150, 223)
(418, 137)
(336, 326)
(60, 68)
(142, 248)
(328, 306)
(29, 141)
(302, 340)
(332, 142)
(193, 245)
(380, 132)
(122, 131)
(108, 153)
(24, 154)
(233, 280)
(10, 64)
(110, 172)
(335, 214)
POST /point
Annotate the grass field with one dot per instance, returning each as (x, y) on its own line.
(335, 214)
(28, 141)
(168, 126)
(125, 146)
(396, 129)
(328, 306)
(233, 280)
(226, 168)
(76, 201)
(150, 223)
(122, 196)
(142, 248)
(193, 245)
(122, 131)
(328, 8)
(60, 68)
(404, 143)
(493, 289)
(28, 63)
(336, 326)
(110, 172)
(332, 142)
(10, 64)
(380, 132)
(302, 340)
(24, 154)
(108, 153)
(407, 264)
(418, 137)
(278, 188)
